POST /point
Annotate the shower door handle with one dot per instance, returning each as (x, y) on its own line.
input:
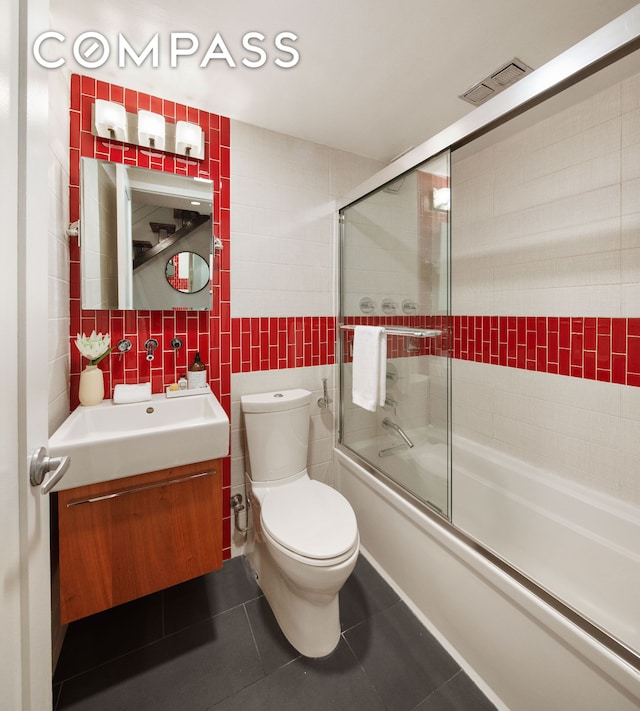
(41, 464)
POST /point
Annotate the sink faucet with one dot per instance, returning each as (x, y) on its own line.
(150, 344)
(393, 426)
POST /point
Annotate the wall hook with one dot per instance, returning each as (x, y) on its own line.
(389, 306)
(367, 305)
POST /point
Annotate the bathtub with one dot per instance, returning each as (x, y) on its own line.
(524, 652)
(582, 546)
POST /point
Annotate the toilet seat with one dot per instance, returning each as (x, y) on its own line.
(310, 519)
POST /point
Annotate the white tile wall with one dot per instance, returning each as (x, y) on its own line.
(584, 430)
(547, 222)
(381, 245)
(283, 193)
(630, 176)
(58, 284)
(544, 218)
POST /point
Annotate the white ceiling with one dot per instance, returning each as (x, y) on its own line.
(374, 78)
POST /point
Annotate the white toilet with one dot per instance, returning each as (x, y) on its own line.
(304, 542)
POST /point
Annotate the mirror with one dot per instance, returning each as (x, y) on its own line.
(187, 272)
(134, 223)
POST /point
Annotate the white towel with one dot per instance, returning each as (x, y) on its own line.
(123, 394)
(369, 387)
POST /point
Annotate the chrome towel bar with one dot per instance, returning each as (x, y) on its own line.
(402, 331)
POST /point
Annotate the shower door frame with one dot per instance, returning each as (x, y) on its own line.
(608, 44)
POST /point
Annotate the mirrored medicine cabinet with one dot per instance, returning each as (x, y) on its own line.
(146, 238)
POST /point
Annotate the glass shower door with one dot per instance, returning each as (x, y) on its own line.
(394, 269)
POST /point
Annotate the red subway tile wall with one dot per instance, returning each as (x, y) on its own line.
(595, 348)
(287, 342)
(179, 283)
(207, 332)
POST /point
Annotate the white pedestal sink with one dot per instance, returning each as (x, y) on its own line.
(109, 441)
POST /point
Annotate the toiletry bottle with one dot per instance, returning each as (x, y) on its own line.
(182, 382)
(197, 374)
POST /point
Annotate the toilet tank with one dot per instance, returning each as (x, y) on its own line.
(277, 428)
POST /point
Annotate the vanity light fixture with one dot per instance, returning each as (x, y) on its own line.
(110, 120)
(147, 129)
(151, 130)
(189, 140)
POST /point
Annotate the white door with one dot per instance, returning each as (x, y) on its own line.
(25, 612)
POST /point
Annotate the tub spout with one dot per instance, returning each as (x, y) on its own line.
(393, 426)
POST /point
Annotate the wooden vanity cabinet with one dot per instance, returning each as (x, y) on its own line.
(122, 539)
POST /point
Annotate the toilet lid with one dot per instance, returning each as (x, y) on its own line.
(310, 519)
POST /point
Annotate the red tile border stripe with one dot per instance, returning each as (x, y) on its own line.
(282, 342)
(595, 348)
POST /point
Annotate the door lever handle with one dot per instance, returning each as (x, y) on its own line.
(41, 464)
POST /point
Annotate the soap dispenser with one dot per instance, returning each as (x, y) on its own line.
(197, 373)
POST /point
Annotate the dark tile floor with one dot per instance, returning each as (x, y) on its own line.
(213, 643)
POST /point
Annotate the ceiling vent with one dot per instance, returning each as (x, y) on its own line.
(497, 81)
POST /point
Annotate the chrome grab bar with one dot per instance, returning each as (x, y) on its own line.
(402, 331)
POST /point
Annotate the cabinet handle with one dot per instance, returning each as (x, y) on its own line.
(137, 489)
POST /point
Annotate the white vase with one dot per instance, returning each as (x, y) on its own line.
(91, 391)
